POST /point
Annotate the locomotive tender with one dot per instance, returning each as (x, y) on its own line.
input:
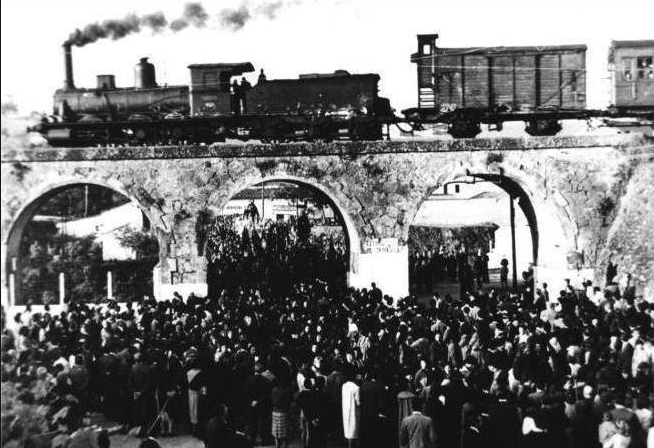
(459, 87)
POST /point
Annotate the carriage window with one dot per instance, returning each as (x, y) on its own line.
(645, 68)
(627, 72)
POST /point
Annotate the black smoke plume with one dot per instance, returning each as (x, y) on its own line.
(109, 29)
(156, 22)
(269, 10)
(194, 15)
(237, 18)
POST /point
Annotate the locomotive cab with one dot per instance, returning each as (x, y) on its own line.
(211, 91)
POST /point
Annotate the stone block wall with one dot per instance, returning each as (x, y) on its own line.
(586, 192)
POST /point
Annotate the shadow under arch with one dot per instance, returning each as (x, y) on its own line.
(553, 229)
(352, 240)
(514, 190)
(23, 216)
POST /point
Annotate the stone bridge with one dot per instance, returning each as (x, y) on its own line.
(586, 198)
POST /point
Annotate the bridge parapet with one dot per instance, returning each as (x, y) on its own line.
(304, 149)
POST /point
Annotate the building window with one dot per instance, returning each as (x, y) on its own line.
(645, 67)
(457, 188)
(426, 49)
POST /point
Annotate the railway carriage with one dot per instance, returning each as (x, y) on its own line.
(631, 65)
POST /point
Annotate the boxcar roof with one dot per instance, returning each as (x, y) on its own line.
(502, 50)
(632, 43)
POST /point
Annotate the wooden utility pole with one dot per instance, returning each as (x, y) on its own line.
(86, 200)
(512, 218)
(263, 203)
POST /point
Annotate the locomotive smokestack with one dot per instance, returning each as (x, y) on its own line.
(68, 67)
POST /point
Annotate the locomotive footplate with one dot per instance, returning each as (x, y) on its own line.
(269, 128)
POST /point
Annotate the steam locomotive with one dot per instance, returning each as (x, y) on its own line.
(459, 87)
(214, 107)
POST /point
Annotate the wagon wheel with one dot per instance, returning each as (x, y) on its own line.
(464, 129)
(542, 127)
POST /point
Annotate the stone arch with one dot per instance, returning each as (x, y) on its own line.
(337, 203)
(552, 242)
(31, 202)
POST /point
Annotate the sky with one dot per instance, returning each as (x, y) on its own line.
(361, 36)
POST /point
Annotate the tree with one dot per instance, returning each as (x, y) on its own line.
(144, 244)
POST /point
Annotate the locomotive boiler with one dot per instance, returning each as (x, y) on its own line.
(107, 102)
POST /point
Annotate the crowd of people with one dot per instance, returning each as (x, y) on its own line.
(469, 269)
(429, 267)
(258, 363)
(251, 252)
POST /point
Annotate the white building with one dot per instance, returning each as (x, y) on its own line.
(105, 226)
(278, 202)
(475, 203)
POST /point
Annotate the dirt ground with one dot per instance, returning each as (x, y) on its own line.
(128, 441)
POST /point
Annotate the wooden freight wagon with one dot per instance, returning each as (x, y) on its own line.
(468, 86)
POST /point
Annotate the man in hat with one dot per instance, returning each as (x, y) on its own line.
(257, 391)
(217, 433)
(141, 386)
(370, 395)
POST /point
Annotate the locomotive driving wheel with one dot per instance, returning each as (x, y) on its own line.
(324, 129)
(140, 135)
(357, 130)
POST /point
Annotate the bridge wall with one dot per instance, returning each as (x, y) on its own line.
(588, 193)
